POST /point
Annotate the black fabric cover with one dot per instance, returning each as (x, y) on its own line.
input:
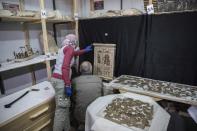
(128, 33)
(172, 48)
(162, 47)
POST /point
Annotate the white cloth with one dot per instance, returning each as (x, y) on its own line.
(60, 60)
(193, 112)
(96, 122)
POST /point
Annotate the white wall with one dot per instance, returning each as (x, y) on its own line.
(138, 4)
(112, 4)
(65, 6)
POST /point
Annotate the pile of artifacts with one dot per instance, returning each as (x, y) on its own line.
(25, 53)
(129, 112)
(112, 13)
(172, 5)
(179, 91)
(176, 5)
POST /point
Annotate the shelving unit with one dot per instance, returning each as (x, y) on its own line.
(46, 58)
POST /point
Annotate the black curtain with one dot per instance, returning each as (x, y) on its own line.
(128, 33)
(162, 47)
(171, 53)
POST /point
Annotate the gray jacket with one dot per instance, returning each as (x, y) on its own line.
(88, 88)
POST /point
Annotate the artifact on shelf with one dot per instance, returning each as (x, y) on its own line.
(130, 112)
(51, 14)
(94, 14)
(7, 13)
(53, 48)
(132, 11)
(109, 13)
(26, 13)
(57, 15)
(24, 54)
(112, 13)
(11, 7)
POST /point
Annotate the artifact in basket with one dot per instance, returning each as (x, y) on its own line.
(129, 112)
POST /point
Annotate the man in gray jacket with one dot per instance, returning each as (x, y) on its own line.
(88, 87)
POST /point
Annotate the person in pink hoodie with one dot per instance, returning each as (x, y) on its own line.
(61, 80)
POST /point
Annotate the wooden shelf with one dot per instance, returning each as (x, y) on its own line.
(30, 19)
(18, 19)
(13, 65)
(107, 17)
(58, 20)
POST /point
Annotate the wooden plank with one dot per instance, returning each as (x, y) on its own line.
(13, 65)
(27, 46)
(48, 69)
(75, 7)
(150, 2)
(77, 28)
(18, 19)
(31, 20)
(77, 34)
(167, 92)
(33, 76)
(57, 21)
(21, 5)
(45, 39)
(75, 14)
(104, 45)
(91, 5)
(26, 35)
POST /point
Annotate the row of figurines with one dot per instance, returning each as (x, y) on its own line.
(24, 53)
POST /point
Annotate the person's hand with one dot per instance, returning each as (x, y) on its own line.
(68, 90)
(88, 48)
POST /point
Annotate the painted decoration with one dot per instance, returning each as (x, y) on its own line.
(104, 56)
(98, 5)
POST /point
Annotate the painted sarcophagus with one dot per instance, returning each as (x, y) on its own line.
(104, 58)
